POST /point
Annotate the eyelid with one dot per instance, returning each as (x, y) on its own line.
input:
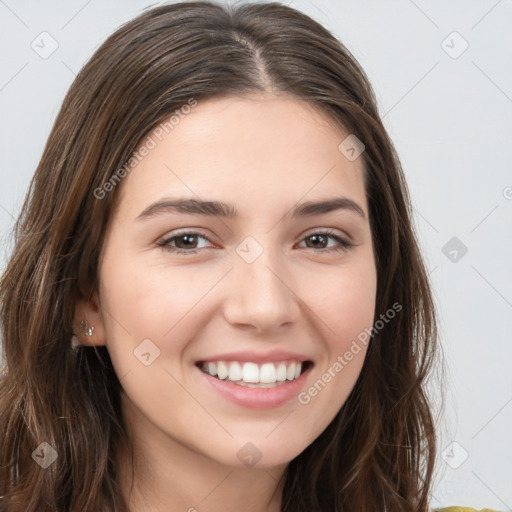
(331, 231)
(182, 232)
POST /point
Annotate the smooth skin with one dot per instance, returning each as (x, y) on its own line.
(263, 154)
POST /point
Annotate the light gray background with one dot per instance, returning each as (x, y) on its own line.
(450, 119)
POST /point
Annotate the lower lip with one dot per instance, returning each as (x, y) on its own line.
(257, 398)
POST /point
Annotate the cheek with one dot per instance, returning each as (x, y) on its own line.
(161, 303)
(352, 313)
(344, 305)
(344, 302)
(146, 300)
(149, 318)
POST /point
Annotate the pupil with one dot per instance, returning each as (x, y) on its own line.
(316, 237)
(189, 239)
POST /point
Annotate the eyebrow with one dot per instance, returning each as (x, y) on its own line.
(221, 209)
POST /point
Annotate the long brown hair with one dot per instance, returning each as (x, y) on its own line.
(378, 452)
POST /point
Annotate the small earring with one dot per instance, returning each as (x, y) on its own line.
(75, 342)
(86, 329)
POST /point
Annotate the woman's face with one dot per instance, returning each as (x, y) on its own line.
(187, 290)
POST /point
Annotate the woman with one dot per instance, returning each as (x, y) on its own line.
(216, 298)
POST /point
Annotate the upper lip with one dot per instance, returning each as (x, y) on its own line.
(257, 357)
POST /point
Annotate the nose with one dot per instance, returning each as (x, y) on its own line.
(261, 294)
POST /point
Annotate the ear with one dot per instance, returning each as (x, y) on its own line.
(89, 309)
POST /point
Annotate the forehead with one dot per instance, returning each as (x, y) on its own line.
(264, 149)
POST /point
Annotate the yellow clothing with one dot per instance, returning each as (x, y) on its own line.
(463, 509)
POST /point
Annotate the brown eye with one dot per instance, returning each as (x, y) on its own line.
(320, 239)
(184, 243)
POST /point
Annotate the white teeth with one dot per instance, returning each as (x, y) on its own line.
(222, 370)
(290, 373)
(253, 375)
(268, 373)
(212, 369)
(281, 372)
(259, 385)
(250, 373)
(235, 371)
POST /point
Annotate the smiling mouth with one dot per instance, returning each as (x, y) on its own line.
(252, 375)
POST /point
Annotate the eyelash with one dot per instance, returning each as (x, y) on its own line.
(165, 243)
